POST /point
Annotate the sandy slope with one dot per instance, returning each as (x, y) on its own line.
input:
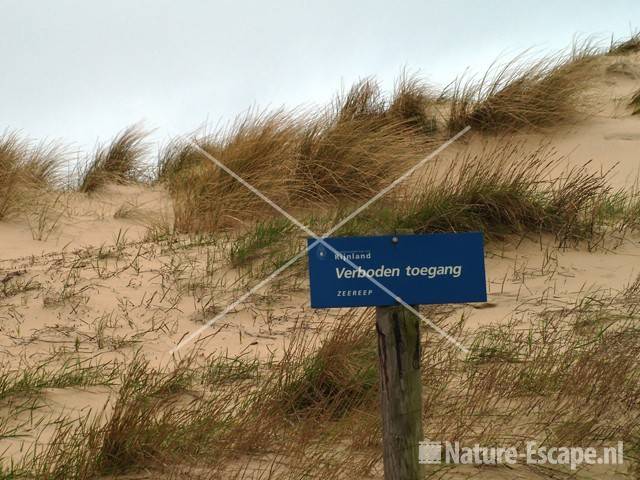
(144, 296)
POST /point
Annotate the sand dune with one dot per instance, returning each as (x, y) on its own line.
(98, 284)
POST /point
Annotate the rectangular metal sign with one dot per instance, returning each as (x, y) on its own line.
(420, 269)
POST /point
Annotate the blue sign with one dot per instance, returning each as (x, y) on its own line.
(419, 269)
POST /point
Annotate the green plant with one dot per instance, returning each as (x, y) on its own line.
(30, 380)
(263, 235)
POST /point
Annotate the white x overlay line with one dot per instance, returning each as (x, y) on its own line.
(320, 240)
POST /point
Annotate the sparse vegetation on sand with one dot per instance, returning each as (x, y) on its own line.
(31, 380)
(120, 161)
(227, 417)
(276, 390)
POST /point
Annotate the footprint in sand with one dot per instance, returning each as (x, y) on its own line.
(622, 136)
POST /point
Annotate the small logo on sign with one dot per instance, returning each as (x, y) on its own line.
(354, 255)
(429, 452)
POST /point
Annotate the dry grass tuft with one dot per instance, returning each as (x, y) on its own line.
(520, 95)
(340, 376)
(504, 189)
(623, 47)
(635, 103)
(347, 152)
(121, 161)
(146, 425)
(24, 169)
(259, 147)
(357, 146)
(414, 103)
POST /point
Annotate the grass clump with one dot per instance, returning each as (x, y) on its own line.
(146, 426)
(138, 425)
(121, 161)
(360, 143)
(495, 191)
(413, 103)
(25, 169)
(346, 152)
(323, 393)
(258, 147)
(341, 375)
(160, 418)
(623, 47)
(518, 95)
(501, 190)
(249, 245)
(635, 103)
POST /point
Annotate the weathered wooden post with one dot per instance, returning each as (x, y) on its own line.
(377, 271)
(400, 391)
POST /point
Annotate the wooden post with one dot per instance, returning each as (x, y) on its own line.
(400, 391)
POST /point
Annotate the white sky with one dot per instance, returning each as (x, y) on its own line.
(81, 70)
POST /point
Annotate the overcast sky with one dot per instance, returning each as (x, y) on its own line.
(81, 70)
